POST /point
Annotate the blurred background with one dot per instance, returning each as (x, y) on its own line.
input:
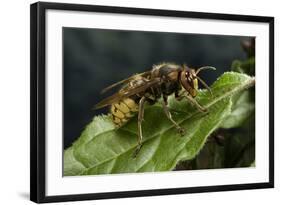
(96, 58)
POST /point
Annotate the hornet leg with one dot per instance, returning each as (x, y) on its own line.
(169, 115)
(190, 99)
(195, 103)
(140, 119)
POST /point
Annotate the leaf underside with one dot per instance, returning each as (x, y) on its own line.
(103, 149)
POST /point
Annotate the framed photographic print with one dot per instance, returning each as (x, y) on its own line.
(129, 102)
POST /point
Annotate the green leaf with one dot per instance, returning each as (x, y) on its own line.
(253, 164)
(102, 149)
(247, 66)
(72, 167)
(242, 109)
(210, 157)
(243, 104)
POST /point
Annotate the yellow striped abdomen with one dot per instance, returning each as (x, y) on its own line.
(123, 111)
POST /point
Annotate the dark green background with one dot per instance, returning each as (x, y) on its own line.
(95, 58)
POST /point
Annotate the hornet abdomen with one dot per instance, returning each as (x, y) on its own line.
(123, 111)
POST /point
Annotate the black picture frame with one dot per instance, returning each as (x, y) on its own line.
(38, 100)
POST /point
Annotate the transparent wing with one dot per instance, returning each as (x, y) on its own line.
(144, 74)
(126, 93)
